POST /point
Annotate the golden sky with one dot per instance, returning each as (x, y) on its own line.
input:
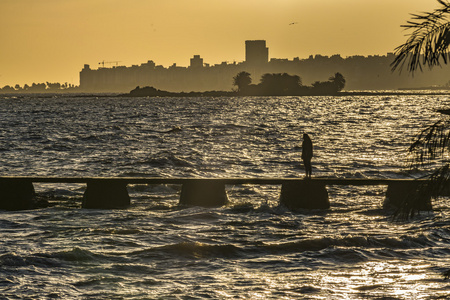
(51, 40)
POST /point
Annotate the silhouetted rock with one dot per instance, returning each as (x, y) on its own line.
(149, 91)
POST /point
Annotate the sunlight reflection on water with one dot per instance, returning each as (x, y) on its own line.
(250, 249)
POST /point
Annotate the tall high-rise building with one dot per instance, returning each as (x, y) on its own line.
(256, 52)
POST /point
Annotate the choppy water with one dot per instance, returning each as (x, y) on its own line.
(250, 249)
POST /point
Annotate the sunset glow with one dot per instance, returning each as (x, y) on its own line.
(50, 40)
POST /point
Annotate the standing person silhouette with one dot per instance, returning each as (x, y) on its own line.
(307, 153)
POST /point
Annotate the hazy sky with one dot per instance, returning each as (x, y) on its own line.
(51, 40)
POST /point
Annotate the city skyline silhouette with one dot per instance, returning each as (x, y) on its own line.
(50, 41)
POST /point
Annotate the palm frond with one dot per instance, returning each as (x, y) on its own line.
(429, 41)
(420, 198)
(430, 144)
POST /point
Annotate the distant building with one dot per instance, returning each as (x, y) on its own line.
(256, 52)
(361, 73)
(196, 62)
(86, 79)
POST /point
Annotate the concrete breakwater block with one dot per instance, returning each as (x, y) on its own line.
(408, 193)
(206, 193)
(304, 194)
(106, 195)
(17, 194)
(444, 190)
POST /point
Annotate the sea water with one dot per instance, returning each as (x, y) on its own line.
(252, 248)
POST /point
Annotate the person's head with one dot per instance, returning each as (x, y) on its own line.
(305, 136)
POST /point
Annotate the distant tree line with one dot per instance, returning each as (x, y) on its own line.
(283, 84)
(39, 88)
(271, 84)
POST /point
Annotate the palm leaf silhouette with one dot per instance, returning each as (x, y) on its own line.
(428, 42)
(427, 45)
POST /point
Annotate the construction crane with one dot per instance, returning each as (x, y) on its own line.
(103, 63)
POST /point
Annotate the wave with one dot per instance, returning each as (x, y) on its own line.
(95, 281)
(55, 259)
(99, 252)
(76, 255)
(165, 159)
(16, 260)
(192, 250)
(347, 249)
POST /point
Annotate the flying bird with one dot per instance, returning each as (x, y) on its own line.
(293, 23)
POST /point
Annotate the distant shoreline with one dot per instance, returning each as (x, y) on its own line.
(152, 92)
(402, 92)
